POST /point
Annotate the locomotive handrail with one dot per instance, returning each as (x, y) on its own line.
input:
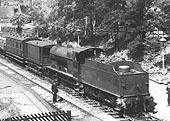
(70, 75)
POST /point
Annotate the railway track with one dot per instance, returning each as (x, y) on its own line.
(79, 106)
(42, 91)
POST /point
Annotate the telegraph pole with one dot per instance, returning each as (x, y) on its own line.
(31, 4)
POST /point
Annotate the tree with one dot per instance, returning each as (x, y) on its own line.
(39, 16)
(19, 20)
(125, 22)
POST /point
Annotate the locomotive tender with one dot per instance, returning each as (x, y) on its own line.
(120, 84)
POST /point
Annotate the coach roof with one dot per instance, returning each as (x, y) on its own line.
(41, 43)
(16, 36)
(20, 38)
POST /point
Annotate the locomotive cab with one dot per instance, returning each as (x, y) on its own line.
(87, 53)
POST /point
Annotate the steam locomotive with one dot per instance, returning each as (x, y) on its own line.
(121, 84)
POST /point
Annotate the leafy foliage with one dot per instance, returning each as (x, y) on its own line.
(19, 20)
(113, 24)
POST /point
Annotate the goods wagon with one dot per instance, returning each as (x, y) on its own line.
(38, 54)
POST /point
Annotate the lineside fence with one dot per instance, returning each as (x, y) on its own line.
(50, 116)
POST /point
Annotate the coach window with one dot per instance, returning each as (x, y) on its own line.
(46, 51)
(16, 45)
(9, 43)
(15, 10)
(13, 43)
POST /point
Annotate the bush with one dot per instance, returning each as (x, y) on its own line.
(136, 51)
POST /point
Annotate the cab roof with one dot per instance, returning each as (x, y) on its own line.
(21, 38)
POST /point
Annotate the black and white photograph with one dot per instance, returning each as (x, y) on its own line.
(84, 60)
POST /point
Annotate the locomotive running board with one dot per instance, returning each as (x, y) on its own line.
(61, 72)
(65, 76)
